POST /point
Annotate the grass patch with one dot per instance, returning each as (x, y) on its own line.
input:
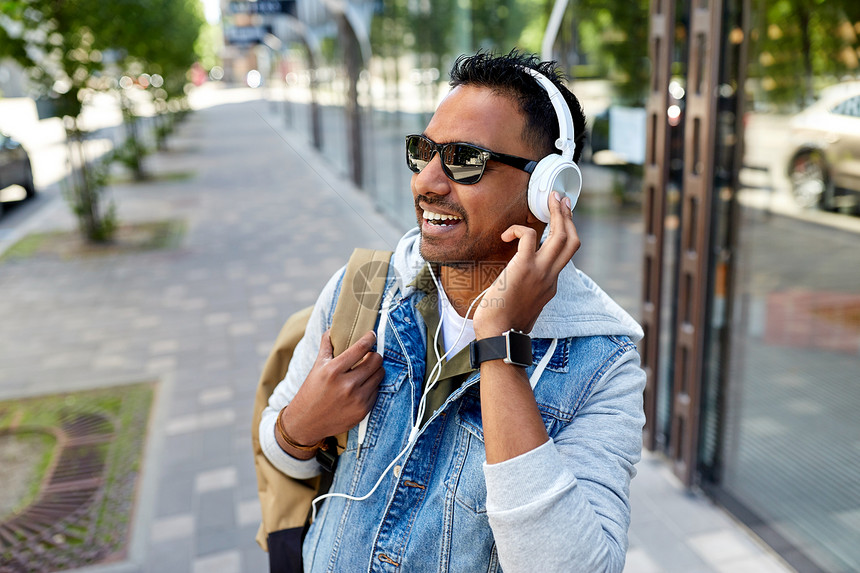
(25, 457)
(25, 247)
(162, 177)
(132, 237)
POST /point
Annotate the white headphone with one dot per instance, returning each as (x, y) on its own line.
(555, 172)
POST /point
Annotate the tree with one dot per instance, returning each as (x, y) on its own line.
(613, 37)
(156, 40)
(54, 43)
(159, 35)
(66, 48)
(799, 46)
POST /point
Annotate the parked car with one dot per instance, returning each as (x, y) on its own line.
(15, 167)
(824, 166)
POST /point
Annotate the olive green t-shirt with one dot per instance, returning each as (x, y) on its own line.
(456, 369)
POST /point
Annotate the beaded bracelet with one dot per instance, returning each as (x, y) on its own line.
(292, 443)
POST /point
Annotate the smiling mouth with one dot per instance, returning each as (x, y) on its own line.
(441, 219)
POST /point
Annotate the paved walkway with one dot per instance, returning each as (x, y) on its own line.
(268, 222)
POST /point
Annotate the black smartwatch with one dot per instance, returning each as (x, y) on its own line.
(513, 347)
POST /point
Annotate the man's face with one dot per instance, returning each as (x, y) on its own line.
(476, 115)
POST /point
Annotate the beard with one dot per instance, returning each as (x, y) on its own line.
(470, 250)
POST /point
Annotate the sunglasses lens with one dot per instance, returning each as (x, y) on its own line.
(464, 162)
(419, 152)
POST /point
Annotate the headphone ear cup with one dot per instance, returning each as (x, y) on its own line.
(568, 180)
(539, 188)
(553, 173)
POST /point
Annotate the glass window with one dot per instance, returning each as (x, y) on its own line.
(791, 443)
(850, 107)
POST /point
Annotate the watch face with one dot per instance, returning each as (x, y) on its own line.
(519, 348)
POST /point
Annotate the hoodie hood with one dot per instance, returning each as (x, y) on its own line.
(579, 308)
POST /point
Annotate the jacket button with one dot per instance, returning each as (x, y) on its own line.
(386, 559)
(397, 470)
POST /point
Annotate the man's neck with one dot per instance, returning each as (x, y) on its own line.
(463, 284)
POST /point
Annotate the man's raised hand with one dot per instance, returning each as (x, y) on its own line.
(336, 395)
(530, 279)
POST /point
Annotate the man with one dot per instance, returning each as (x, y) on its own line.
(462, 468)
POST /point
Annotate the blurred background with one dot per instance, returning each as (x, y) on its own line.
(721, 203)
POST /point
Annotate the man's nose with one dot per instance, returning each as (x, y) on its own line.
(432, 179)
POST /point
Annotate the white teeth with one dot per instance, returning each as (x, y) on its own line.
(430, 216)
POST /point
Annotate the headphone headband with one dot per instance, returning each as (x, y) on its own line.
(565, 142)
(555, 172)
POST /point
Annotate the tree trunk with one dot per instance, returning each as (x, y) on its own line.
(85, 199)
(804, 17)
(352, 58)
(316, 120)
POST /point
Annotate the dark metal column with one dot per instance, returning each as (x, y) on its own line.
(661, 40)
(693, 280)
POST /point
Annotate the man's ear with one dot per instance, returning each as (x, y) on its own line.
(531, 220)
(536, 224)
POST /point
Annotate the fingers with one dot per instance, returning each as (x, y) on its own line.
(372, 384)
(362, 365)
(370, 366)
(350, 357)
(526, 235)
(559, 215)
(326, 351)
(563, 240)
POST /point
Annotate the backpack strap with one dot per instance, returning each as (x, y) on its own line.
(285, 501)
(360, 296)
(355, 313)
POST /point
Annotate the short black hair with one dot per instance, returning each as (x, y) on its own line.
(504, 75)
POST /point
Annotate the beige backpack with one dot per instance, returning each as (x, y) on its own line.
(286, 501)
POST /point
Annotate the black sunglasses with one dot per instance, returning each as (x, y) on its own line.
(461, 162)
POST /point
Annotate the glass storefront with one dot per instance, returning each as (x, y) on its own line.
(790, 458)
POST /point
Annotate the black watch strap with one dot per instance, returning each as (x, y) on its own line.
(513, 347)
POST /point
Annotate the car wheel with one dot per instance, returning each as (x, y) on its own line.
(809, 181)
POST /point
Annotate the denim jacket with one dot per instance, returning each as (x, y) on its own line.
(438, 505)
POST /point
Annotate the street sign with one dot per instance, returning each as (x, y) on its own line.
(245, 35)
(263, 7)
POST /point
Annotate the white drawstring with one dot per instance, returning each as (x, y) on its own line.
(538, 371)
(380, 349)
